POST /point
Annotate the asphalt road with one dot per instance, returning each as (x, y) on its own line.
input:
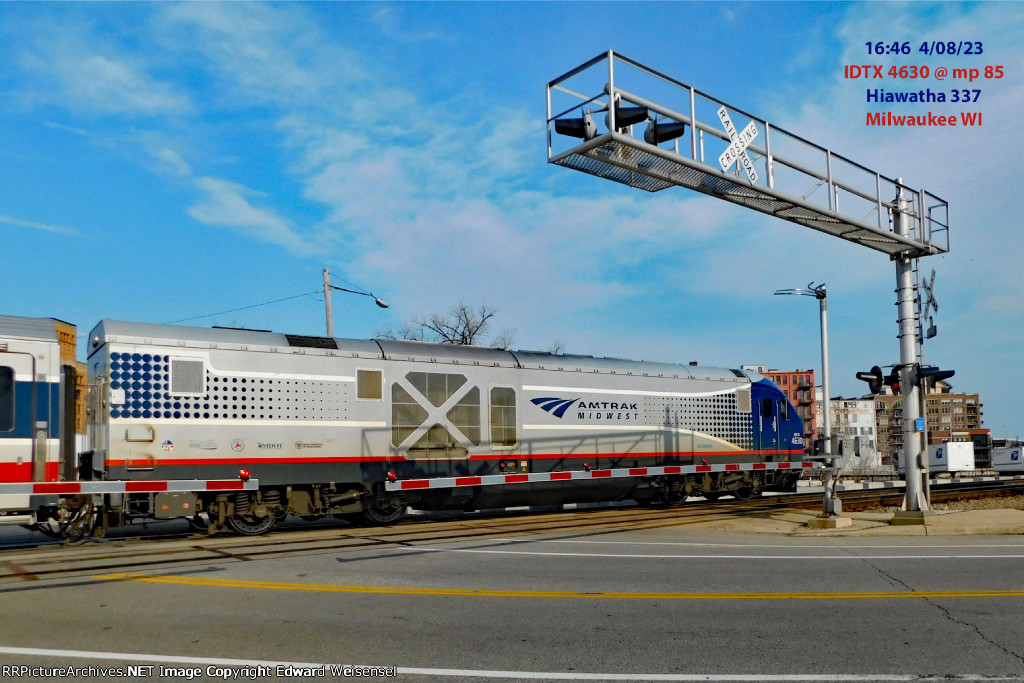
(653, 604)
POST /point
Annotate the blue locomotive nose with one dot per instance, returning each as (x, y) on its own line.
(777, 428)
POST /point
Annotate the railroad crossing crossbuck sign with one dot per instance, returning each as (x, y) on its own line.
(736, 152)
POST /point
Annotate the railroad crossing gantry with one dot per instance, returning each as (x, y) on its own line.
(788, 177)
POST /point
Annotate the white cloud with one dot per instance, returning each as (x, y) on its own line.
(226, 205)
(262, 53)
(59, 229)
(390, 23)
(77, 68)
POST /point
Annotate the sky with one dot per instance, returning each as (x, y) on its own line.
(167, 162)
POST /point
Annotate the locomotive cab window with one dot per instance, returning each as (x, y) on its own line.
(767, 411)
(784, 409)
(6, 399)
(369, 385)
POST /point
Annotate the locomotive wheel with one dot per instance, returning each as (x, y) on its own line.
(744, 493)
(384, 510)
(674, 497)
(247, 525)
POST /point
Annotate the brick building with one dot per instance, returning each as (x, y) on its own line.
(948, 416)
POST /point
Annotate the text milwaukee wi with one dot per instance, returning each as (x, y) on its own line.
(887, 118)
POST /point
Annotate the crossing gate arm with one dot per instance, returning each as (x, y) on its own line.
(585, 475)
(71, 488)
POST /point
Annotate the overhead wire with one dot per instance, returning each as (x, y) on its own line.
(243, 308)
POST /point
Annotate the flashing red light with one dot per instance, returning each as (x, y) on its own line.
(243, 474)
(703, 461)
(586, 467)
(392, 476)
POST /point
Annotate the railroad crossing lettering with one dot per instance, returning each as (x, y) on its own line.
(736, 152)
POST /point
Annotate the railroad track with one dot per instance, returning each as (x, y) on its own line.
(23, 567)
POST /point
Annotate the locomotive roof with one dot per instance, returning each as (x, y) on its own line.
(28, 328)
(395, 349)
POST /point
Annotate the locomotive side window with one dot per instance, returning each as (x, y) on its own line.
(406, 415)
(369, 385)
(767, 410)
(465, 415)
(444, 437)
(6, 399)
(435, 386)
(784, 409)
(503, 417)
(188, 377)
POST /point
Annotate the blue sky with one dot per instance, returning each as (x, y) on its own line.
(164, 161)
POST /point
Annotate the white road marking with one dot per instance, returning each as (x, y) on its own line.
(760, 545)
(483, 673)
(645, 556)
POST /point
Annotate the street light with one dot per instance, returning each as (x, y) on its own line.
(327, 300)
(832, 505)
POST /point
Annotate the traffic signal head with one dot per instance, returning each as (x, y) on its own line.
(658, 132)
(873, 378)
(627, 116)
(583, 127)
(932, 374)
(893, 381)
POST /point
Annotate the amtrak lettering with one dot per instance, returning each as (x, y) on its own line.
(589, 410)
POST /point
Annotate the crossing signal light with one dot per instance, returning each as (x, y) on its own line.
(658, 132)
(893, 381)
(932, 374)
(583, 127)
(873, 378)
(627, 116)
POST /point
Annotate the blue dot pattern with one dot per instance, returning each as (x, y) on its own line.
(144, 379)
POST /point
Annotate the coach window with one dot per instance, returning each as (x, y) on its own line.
(6, 399)
(369, 385)
(503, 417)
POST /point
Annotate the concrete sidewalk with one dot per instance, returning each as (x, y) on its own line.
(794, 523)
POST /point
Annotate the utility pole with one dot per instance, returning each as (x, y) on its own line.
(327, 302)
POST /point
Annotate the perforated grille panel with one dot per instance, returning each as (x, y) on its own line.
(187, 376)
(146, 381)
(717, 416)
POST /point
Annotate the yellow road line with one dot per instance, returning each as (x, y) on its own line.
(484, 593)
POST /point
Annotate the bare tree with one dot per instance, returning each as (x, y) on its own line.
(461, 325)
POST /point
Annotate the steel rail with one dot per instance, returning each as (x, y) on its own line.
(18, 567)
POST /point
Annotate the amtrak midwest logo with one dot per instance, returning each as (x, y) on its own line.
(588, 410)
